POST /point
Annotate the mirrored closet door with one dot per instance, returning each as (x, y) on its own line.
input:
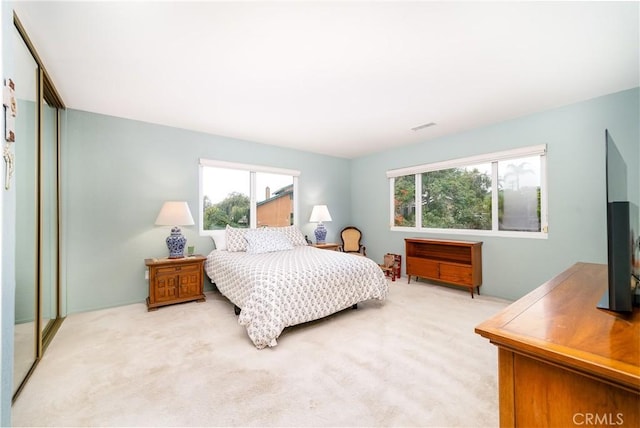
(49, 217)
(24, 185)
(36, 186)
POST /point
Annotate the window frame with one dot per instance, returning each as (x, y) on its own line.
(493, 159)
(253, 200)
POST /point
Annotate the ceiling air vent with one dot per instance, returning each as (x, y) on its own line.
(426, 125)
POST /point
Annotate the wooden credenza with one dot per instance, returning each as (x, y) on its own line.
(561, 361)
(452, 262)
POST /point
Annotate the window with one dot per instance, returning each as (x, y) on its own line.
(500, 193)
(457, 198)
(242, 195)
(405, 201)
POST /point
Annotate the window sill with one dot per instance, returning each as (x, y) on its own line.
(469, 232)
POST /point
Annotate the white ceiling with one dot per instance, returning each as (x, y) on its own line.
(338, 78)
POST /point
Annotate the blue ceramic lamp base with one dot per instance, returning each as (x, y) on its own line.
(176, 242)
(321, 233)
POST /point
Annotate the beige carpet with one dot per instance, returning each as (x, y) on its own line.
(412, 360)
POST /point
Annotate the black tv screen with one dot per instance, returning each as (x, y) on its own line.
(622, 230)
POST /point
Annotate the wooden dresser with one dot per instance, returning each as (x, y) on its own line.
(175, 281)
(561, 361)
(453, 262)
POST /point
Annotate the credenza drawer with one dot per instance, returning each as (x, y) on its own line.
(422, 267)
(456, 274)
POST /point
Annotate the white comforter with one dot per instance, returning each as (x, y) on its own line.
(284, 288)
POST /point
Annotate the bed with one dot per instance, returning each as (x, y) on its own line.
(277, 286)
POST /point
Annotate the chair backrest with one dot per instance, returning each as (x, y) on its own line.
(389, 260)
(351, 236)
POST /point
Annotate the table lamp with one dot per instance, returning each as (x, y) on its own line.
(320, 213)
(175, 213)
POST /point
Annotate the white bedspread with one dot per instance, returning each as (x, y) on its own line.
(284, 288)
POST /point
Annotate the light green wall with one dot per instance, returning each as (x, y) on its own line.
(116, 175)
(576, 181)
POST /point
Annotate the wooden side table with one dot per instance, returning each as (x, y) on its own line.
(327, 246)
(175, 281)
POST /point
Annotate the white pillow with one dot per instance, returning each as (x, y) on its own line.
(292, 233)
(266, 241)
(235, 239)
(219, 239)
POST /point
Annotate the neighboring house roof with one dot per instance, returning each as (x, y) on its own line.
(280, 193)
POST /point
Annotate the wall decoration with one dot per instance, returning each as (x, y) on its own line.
(10, 110)
(9, 167)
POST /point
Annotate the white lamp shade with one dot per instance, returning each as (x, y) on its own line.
(320, 213)
(175, 213)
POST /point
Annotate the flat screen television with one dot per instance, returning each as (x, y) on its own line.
(622, 233)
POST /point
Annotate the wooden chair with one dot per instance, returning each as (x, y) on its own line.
(389, 266)
(351, 237)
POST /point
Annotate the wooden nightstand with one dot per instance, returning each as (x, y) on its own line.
(327, 246)
(175, 281)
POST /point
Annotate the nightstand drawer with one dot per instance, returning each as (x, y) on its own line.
(171, 270)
